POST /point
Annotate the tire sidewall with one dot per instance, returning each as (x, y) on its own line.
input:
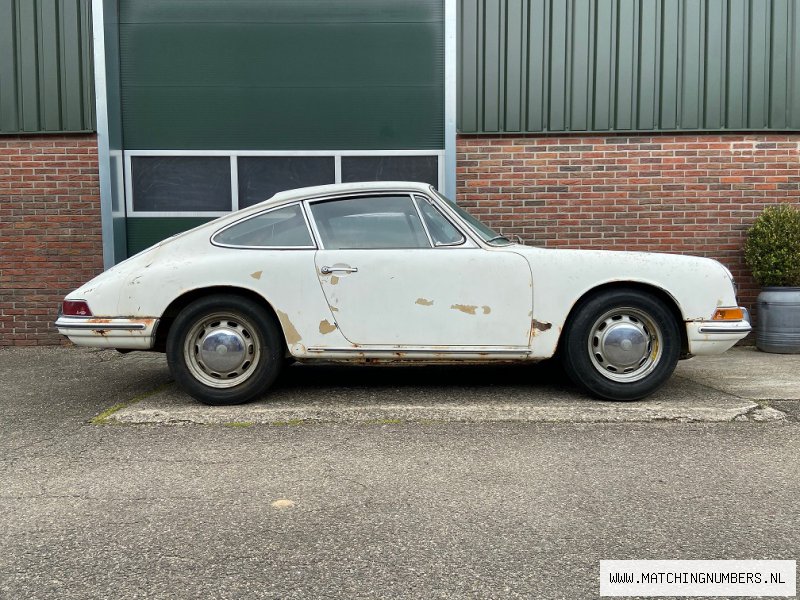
(579, 364)
(266, 332)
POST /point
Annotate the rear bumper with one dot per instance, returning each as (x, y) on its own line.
(715, 337)
(102, 332)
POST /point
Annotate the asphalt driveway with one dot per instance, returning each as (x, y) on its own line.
(374, 507)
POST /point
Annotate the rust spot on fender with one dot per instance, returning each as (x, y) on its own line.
(424, 302)
(292, 336)
(256, 275)
(537, 326)
(326, 327)
(465, 308)
(486, 309)
(333, 308)
(334, 280)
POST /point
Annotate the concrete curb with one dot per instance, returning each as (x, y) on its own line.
(420, 414)
(734, 387)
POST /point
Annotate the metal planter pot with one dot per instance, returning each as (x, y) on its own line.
(779, 320)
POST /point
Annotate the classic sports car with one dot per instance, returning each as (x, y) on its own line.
(395, 272)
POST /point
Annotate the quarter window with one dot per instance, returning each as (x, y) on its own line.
(442, 231)
(282, 227)
(369, 222)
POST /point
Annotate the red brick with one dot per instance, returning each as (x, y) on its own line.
(50, 230)
(692, 194)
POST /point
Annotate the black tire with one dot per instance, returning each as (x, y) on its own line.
(225, 349)
(621, 344)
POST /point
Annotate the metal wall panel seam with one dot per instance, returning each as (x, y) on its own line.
(642, 65)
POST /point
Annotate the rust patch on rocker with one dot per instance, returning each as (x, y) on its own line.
(424, 302)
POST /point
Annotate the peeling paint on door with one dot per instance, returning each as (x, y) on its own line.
(537, 326)
(465, 308)
(326, 327)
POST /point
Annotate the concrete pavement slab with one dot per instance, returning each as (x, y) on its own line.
(747, 373)
(709, 389)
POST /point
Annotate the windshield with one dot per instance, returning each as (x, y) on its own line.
(486, 233)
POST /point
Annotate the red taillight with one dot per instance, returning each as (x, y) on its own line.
(75, 308)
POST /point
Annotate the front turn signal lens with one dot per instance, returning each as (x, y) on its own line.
(75, 308)
(728, 314)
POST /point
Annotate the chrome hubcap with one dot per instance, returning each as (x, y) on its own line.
(222, 350)
(625, 344)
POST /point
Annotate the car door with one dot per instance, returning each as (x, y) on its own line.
(387, 285)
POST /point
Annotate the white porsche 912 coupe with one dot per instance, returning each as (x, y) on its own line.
(395, 272)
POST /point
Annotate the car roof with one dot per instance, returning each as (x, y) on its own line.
(345, 188)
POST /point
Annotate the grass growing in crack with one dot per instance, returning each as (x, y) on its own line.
(104, 418)
(239, 424)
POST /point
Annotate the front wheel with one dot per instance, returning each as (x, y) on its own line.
(621, 344)
(224, 350)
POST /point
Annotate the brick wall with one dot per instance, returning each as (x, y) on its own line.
(693, 194)
(50, 240)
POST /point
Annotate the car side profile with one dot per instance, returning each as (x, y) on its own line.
(396, 272)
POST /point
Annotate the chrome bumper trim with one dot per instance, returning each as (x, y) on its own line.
(62, 324)
(727, 329)
(129, 333)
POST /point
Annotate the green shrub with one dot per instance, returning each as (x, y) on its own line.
(772, 249)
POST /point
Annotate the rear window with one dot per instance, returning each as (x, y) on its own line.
(279, 228)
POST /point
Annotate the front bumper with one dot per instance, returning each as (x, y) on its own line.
(715, 337)
(102, 332)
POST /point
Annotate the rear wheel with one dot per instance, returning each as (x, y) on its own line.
(224, 349)
(621, 344)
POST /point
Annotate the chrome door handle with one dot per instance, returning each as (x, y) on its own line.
(335, 269)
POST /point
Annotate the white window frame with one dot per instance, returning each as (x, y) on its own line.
(233, 155)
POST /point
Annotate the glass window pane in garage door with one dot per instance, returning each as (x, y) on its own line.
(260, 177)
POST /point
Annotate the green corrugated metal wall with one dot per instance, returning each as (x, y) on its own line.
(620, 65)
(46, 79)
(282, 74)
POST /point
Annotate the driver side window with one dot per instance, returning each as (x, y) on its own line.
(369, 222)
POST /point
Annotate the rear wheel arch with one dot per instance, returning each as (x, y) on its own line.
(187, 298)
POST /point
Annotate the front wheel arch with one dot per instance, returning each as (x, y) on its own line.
(594, 351)
(667, 299)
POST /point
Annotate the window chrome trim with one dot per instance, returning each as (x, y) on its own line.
(336, 155)
(422, 220)
(255, 216)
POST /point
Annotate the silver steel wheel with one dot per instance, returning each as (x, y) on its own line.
(222, 350)
(625, 344)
